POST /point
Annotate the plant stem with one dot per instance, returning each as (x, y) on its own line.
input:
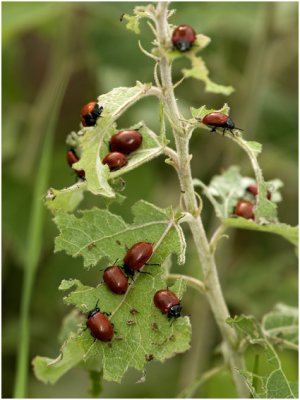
(192, 282)
(190, 391)
(212, 285)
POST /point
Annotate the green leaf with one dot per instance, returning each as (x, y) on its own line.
(199, 71)
(294, 389)
(288, 232)
(49, 370)
(281, 324)
(273, 186)
(70, 324)
(90, 139)
(246, 325)
(91, 144)
(275, 384)
(200, 43)
(265, 211)
(255, 147)
(225, 190)
(140, 12)
(133, 23)
(66, 199)
(99, 233)
(143, 332)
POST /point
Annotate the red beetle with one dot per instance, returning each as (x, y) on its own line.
(244, 209)
(138, 255)
(100, 326)
(115, 279)
(126, 141)
(183, 37)
(254, 190)
(115, 160)
(217, 120)
(72, 159)
(90, 113)
(168, 303)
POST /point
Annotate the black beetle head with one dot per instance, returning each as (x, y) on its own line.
(230, 124)
(175, 311)
(183, 45)
(93, 312)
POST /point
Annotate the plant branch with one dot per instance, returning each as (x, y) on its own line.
(219, 232)
(192, 282)
(252, 157)
(213, 290)
(191, 389)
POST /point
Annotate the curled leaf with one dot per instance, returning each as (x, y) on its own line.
(89, 143)
(200, 71)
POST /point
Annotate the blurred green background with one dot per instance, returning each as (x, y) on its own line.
(254, 48)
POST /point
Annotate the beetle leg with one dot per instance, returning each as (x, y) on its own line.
(151, 264)
(144, 272)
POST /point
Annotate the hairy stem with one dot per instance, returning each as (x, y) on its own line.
(212, 286)
(192, 282)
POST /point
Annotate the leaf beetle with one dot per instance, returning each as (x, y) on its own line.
(99, 325)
